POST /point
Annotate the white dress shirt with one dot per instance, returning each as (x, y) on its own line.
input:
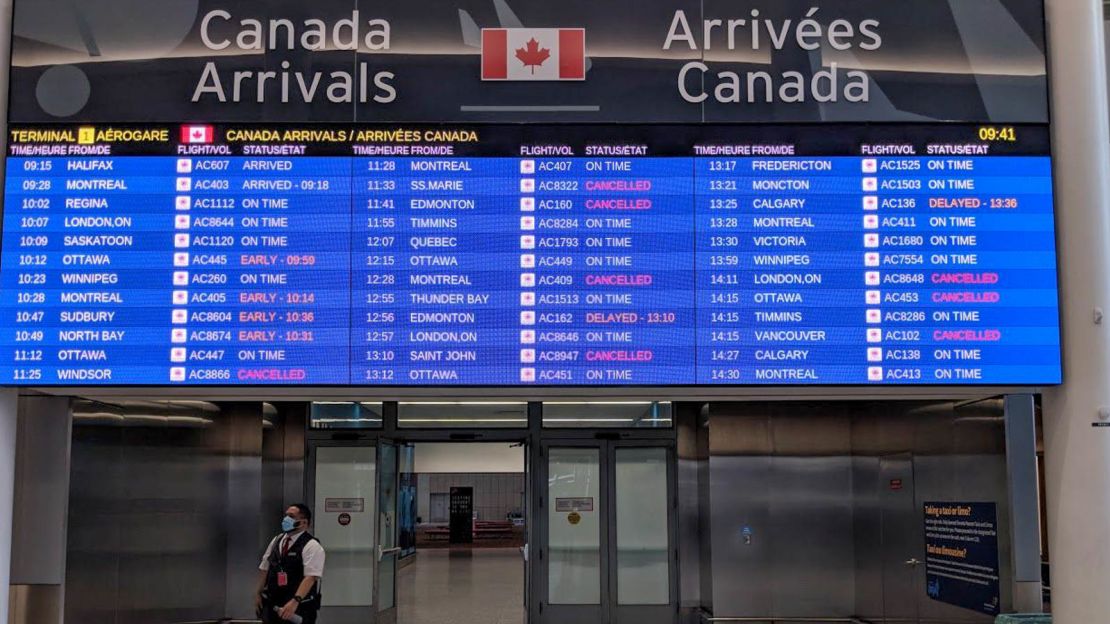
(312, 556)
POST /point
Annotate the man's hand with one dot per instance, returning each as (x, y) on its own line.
(289, 610)
(258, 604)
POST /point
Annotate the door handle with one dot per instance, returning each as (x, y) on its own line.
(913, 561)
(384, 552)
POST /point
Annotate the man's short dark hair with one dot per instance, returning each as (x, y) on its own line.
(305, 512)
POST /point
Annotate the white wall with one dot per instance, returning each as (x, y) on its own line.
(468, 457)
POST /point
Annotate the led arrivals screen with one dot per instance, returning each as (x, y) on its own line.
(542, 254)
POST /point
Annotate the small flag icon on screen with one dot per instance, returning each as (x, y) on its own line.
(197, 134)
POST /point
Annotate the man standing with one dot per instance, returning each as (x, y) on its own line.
(290, 573)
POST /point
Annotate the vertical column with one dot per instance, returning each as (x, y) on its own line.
(1021, 475)
(9, 401)
(240, 432)
(40, 512)
(1077, 456)
(42, 491)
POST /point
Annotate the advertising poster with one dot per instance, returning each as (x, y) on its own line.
(961, 555)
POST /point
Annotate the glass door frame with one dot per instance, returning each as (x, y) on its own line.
(536, 438)
(373, 613)
(399, 437)
(392, 551)
(343, 614)
(608, 610)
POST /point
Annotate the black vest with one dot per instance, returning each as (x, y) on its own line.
(293, 567)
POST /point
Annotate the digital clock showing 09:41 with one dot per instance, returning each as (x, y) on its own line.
(997, 133)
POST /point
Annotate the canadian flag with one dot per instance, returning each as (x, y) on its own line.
(533, 54)
(197, 134)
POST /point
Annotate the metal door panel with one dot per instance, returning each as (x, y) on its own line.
(740, 490)
(901, 542)
(965, 478)
(810, 518)
(868, 538)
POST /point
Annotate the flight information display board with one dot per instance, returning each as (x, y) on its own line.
(504, 255)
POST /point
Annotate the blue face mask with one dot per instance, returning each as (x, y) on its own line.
(288, 524)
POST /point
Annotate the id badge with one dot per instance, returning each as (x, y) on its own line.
(282, 579)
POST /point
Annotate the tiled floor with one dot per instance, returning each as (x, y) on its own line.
(481, 586)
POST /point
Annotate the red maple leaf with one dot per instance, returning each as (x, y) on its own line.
(532, 55)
